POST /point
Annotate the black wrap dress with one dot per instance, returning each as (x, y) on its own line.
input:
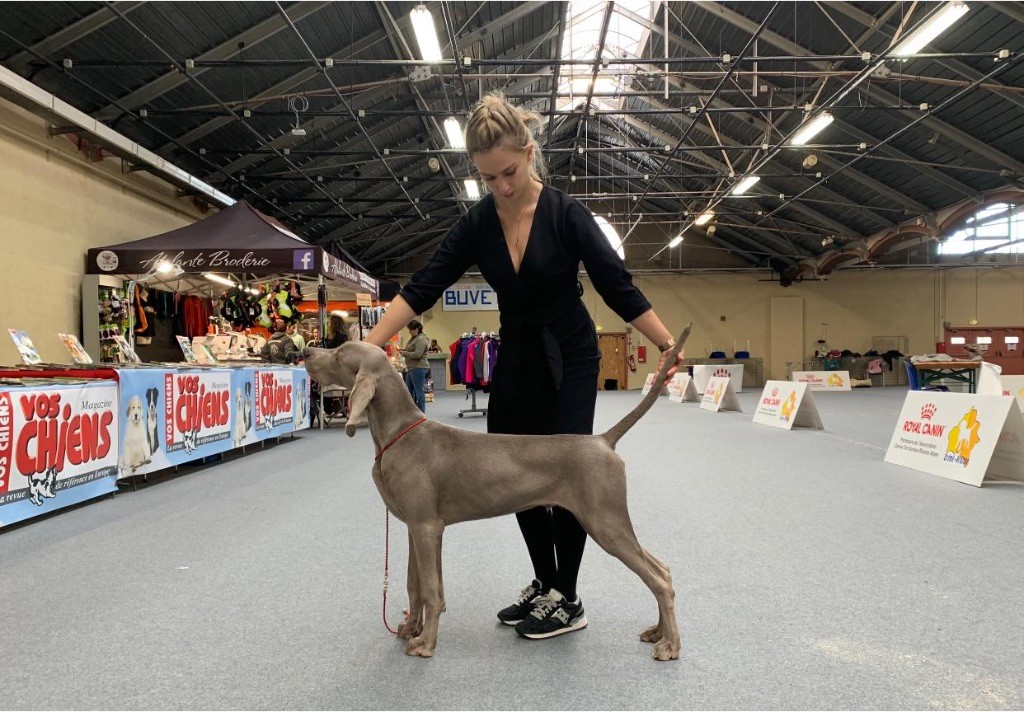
(545, 381)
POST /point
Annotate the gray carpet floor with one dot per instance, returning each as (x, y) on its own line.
(809, 573)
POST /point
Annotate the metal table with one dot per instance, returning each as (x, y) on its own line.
(963, 371)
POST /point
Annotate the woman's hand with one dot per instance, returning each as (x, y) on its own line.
(675, 367)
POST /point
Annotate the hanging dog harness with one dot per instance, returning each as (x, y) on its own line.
(398, 437)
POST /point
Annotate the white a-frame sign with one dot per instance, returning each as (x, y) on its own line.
(681, 388)
(959, 436)
(719, 396)
(785, 404)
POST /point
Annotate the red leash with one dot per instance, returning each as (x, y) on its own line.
(387, 526)
(387, 546)
(395, 439)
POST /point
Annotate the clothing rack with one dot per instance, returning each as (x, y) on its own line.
(472, 394)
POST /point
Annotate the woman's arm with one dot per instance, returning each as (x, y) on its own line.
(397, 316)
(652, 327)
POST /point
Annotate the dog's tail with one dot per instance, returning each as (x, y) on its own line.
(620, 428)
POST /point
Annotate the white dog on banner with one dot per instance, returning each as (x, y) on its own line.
(135, 452)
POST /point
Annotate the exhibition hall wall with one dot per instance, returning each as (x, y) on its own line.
(54, 204)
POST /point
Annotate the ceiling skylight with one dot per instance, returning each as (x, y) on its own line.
(583, 37)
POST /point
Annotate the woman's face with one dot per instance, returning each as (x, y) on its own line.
(505, 171)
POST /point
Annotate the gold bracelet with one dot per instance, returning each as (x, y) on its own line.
(667, 345)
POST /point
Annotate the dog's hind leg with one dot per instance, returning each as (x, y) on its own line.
(610, 527)
(427, 542)
(413, 625)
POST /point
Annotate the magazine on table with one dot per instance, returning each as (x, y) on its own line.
(75, 348)
(186, 348)
(126, 354)
(25, 347)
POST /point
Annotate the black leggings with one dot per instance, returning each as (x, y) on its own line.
(555, 541)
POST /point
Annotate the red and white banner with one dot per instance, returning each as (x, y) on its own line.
(58, 446)
(274, 395)
(197, 409)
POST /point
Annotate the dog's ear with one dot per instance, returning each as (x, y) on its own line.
(363, 391)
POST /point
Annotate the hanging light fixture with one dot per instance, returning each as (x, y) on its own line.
(704, 218)
(426, 35)
(811, 129)
(744, 185)
(456, 139)
(472, 189)
(932, 28)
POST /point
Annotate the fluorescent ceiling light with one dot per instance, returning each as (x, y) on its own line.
(217, 278)
(456, 139)
(426, 35)
(611, 234)
(676, 241)
(704, 218)
(744, 185)
(472, 189)
(932, 28)
(811, 129)
(341, 313)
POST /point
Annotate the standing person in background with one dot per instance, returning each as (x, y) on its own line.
(528, 240)
(336, 333)
(435, 348)
(294, 335)
(416, 364)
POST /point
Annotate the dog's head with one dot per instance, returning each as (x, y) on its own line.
(357, 366)
(152, 394)
(134, 410)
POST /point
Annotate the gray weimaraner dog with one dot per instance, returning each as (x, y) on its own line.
(581, 473)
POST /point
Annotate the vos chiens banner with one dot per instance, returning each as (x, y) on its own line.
(58, 447)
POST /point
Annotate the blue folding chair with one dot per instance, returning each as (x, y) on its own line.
(912, 380)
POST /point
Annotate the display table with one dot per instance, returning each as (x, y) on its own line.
(963, 371)
(170, 416)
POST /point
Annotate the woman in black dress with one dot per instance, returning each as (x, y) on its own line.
(528, 240)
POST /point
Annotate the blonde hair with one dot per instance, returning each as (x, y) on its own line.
(494, 122)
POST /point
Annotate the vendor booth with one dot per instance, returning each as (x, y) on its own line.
(69, 433)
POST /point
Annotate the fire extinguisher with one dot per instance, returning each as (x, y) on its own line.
(630, 358)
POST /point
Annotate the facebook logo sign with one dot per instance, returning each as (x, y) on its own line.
(302, 260)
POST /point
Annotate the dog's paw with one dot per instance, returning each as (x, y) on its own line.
(409, 629)
(666, 650)
(418, 647)
(651, 635)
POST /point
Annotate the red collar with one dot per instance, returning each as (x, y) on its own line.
(398, 437)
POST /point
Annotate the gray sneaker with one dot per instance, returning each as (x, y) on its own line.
(552, 615)
(522, 606)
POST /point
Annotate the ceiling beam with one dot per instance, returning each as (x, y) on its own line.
(66, 36)
(284, 86)
(754, 118)
(248, 39)
(873, 91)
(954, 65)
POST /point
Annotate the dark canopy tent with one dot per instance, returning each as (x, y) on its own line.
(240, 244)
(239, 241)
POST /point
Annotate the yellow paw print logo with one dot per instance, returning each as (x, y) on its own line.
(963, 437)
(789, 406)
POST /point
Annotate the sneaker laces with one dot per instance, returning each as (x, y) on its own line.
(525, 595)
(543, 606)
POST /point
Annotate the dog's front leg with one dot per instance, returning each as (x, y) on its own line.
(427, 543)
(413, 625)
